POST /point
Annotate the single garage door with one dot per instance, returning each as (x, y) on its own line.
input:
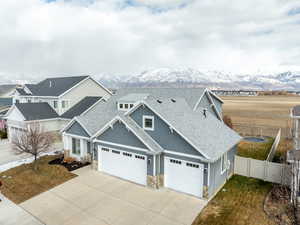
(126, 165)
(184, 176)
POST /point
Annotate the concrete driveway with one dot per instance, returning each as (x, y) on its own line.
(94, 198)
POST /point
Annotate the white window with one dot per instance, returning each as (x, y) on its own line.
(223, 163)
(131, 106)
(121, 106)
(75, 146)
(148, 123)
(126, 106)
(55, 104)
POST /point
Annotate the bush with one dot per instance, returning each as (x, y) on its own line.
(69, 160)
(3, 134)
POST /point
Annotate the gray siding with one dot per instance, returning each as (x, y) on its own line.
(162, 133)
(216, 178)
(119, 134)
(77, 129)
(149, 157)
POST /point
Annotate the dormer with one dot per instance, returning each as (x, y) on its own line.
(129, 101)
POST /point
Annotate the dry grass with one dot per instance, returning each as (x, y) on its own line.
(239, 203)
(285, 145)
(255, 150)
(22, 182)
(267, 111)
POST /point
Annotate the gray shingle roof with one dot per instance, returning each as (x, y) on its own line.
(36, 111)
(80, 107)
(208, 134)
(54, 86)
(21, 91)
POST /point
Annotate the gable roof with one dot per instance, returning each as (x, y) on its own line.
(81, 107)
(210, 136)
(54, 86)
(36, 111)
(21, 91)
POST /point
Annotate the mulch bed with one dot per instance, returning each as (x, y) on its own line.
(278, 207)
(70, 165)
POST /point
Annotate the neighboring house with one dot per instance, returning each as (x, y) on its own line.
(295, 115)
(6, 90)
(5, 104)
(168, 137)
(53, 102)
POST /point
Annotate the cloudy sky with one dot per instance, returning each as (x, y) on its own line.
(40, 38)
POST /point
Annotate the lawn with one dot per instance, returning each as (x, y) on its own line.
(254, 150)
(240, 202)
(22, 183)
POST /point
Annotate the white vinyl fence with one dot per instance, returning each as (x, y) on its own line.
(264, 170)
(274, 146)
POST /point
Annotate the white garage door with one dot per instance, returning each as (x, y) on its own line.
(123, 164)
(184, 176)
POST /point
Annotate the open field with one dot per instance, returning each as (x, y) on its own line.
(262, 111)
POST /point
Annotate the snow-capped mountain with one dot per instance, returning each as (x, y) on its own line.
(289, 80)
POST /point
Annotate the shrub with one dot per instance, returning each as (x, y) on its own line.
(69, 160)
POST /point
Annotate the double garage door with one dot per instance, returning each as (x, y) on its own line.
(184, 176)
(126, 165)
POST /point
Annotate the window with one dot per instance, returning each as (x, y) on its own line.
(127, 154)
(29, 100)
(121, 106)
(75, 146)
(148, 123)
(223, 163)
(55, 104)
(131, 105)
(175, 161)
(126, 106)
(64, 104)
(192, 165)
(139, 157)
(116, 152)
(105, 149)
(17, 101)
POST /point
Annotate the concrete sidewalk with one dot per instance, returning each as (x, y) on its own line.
(12, 214)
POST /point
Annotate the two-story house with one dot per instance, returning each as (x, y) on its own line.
(53, 102)
(169, 137)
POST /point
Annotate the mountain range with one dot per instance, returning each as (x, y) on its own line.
(289, 80)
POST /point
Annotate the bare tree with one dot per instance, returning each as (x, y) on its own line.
(33, 141)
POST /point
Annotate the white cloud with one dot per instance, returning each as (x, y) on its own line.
(40, 39)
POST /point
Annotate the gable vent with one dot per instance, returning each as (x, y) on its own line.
(50, 83)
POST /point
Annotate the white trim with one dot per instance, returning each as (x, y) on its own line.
(120, 145)
(37, 96)
(114, 120)
(101, 85)
(11, 109)
(154, 165)
(208, 174)
(42, 120)
(186, 155)
(92, 106)
(71, 123)
(82, 81)
(151, 118)
(75, 136)
(225, 167)
(83, 127)
(144, 103)
(214, 106)
(216, 96)
(199, 100)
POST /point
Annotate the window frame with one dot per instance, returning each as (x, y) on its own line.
(144, 123)
(76, 146)
(223, 163)
(64, 104)
(55, 104)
